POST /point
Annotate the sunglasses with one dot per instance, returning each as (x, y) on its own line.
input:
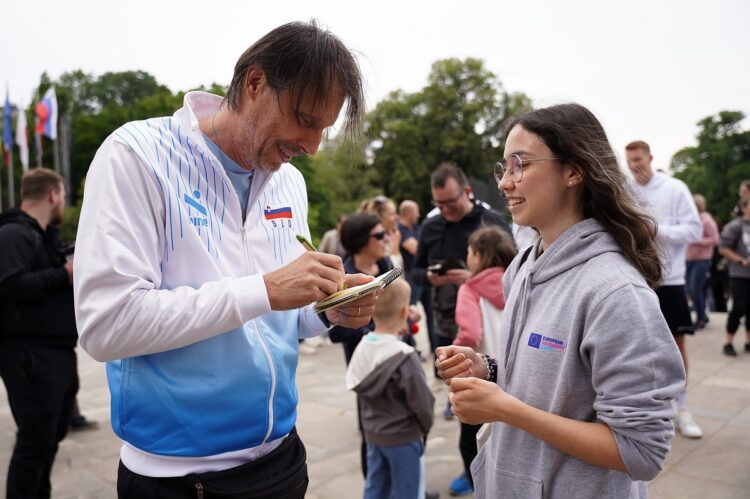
(379, 235)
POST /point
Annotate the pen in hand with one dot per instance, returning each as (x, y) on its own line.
(307, 244)
(309, 247)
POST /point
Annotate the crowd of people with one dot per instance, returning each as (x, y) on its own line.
(200, 307)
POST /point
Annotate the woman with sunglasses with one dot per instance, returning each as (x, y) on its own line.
(579, 398)
(366, 243)
(385, 208)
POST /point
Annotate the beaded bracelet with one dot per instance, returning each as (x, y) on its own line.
(490, 365)
(486, 360)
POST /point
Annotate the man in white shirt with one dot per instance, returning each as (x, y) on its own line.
(191, 284)
(669, 201)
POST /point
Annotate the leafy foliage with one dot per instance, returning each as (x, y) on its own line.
(97, 106)
(318, 197)
(718, 163)
(459, 116)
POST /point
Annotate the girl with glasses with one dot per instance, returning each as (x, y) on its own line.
(579, 395)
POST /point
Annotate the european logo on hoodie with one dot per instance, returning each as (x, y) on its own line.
(545, 343)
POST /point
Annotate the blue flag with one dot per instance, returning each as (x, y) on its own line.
(7, 125)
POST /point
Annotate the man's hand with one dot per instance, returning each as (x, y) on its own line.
(69, 268)
(437, 280)
(309, 278)
(453, 276)
(457, 276)
(359, 312)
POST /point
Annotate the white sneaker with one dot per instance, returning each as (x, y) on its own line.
(687, 426)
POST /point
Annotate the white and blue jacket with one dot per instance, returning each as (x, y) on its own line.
(169, 290)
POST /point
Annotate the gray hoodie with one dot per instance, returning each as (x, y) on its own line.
(395, 403)
(584, 338)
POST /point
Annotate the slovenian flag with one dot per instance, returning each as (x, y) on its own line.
(285, 212)
(46, 112)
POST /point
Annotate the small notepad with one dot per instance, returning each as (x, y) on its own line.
(341, 298)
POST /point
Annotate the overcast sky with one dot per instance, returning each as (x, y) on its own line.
(648, 69)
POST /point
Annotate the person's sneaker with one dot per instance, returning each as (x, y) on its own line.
(83, 424)
(729, 350)
(687, 426)
(448, 412)
(747, 347)
(460, 486)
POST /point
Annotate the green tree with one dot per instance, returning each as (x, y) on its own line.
(95, 107)
(718, 163)
(460, 116)
(341, 168)
(318, 197)
(125, 88)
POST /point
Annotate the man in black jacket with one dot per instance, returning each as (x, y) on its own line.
(443, 237)
(37, 331)
(446, 236)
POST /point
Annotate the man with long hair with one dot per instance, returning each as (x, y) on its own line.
(190, 282)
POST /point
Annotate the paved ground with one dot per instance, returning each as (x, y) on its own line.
(714, 467)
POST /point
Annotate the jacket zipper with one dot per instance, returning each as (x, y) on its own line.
(247, 264)
(199, 490)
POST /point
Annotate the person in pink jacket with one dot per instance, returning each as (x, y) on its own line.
(698, 258)
(479, 304)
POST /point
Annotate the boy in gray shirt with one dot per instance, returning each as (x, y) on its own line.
(396, 405)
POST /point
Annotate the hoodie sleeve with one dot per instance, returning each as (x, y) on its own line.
(636, 373)
(416, 392)
(468, 318)
(730, 236)
(121, 310)
(686, 227)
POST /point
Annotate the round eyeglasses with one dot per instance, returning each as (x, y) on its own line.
(514, 167)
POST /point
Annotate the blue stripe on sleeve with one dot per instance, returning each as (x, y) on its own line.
(145, 156)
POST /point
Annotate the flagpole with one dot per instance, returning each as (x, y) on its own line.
(11, 183)
(55, 156)
(38, 144)
(64, 134)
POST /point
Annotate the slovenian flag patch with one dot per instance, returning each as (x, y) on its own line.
(283, 212)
